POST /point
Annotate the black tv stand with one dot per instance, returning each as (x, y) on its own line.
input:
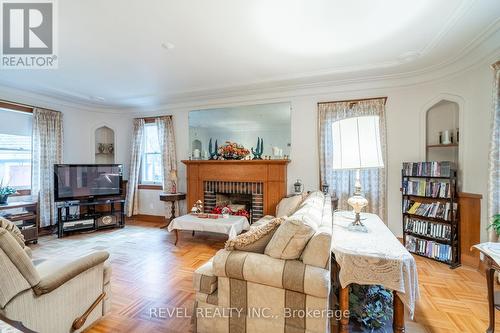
(95, 215)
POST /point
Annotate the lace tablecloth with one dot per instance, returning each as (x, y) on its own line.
(375, 257)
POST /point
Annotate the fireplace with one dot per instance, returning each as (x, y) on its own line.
(264, 180)
(247, 194)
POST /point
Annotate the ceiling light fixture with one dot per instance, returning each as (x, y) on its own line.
(167, 45)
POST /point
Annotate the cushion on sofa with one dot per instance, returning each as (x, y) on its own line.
(288, 206)
(289, 240)
(292, 236)
(13, 229)
(256, 239)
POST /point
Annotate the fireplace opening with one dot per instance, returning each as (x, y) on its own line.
(238, 195)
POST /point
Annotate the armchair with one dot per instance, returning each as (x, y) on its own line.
(52, 297)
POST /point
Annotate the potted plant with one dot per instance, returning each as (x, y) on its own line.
(5, 191)
(371, 306)
(495, 224)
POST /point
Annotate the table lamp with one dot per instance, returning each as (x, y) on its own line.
(356, 145)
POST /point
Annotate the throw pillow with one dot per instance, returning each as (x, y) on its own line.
(14, 231)
(288, 206)
(256, 239)
(290, 239)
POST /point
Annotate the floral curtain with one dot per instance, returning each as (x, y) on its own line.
(373, 181)
(494, 158)
(132, 200)
(47, 150)
(166, 139)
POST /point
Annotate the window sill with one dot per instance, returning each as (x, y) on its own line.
(21, 193)
(150, 187)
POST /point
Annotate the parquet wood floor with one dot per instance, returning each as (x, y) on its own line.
(149, 272)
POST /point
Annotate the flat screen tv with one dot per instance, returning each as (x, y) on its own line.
(86, 181)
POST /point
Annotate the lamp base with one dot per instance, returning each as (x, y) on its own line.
(357, 225)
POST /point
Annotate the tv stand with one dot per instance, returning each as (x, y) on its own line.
(94, 214)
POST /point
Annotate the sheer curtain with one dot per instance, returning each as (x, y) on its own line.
(132, 200)
(494, 158)
(373, 181)
(166, 139)
(47, 149)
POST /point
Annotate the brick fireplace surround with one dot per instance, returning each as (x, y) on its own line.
(265, 180)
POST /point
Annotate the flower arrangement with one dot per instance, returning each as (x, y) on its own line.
(240, 212)
(232, 151)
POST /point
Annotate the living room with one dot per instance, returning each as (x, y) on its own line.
(230, 156)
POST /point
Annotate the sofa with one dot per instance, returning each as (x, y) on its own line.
(242, 291)
(56, 296)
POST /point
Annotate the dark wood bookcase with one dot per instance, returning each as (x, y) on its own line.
(433, 234)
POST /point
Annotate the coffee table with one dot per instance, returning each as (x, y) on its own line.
(231, 226)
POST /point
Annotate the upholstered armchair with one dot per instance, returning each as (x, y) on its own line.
(54, 296)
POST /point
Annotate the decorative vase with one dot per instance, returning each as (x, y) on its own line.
(3, 199)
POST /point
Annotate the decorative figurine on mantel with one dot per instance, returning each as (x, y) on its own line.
(213, 153)
(257, 153)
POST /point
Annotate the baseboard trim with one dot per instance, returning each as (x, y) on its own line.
(149, 218)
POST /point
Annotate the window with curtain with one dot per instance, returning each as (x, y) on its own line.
(345, 138)
(15, 148)
(338, 122)
(151, 164)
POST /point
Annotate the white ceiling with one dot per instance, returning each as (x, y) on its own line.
(111, 54)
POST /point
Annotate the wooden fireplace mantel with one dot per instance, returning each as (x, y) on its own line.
(271, 173)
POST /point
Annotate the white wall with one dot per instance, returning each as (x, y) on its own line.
(406, 137)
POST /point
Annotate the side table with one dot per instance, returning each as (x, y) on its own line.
(491, 252)
(173, 198)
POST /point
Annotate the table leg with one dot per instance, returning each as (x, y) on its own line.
(344, 308)
(176, 236)
(192, 234)
(398, 323)
(490, 277)
(171, 217)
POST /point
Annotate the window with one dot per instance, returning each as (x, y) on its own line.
(356, 143)
(15, 149)
(151, 159)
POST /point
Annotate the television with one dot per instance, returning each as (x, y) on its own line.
(87, 181)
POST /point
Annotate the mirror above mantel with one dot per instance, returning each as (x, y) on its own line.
(243, 125)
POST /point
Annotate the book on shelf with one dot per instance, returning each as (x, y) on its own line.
(429, 169)
(426, 188)
(436, 209)
(442, 252)
(427, 228)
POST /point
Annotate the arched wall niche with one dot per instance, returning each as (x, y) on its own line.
(104, 140)
(444, 113)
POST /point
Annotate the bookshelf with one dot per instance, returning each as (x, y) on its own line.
(430, 211)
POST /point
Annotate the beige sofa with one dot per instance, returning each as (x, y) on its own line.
(55, 296)
(239, 291)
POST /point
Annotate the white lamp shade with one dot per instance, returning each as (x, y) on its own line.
(356, 143)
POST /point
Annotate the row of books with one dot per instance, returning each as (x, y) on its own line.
(429, 248)
(434, 209)
(429, 169)
(427, 188)
(426, 228)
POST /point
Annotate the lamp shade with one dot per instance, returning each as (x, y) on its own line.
(356, 143)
